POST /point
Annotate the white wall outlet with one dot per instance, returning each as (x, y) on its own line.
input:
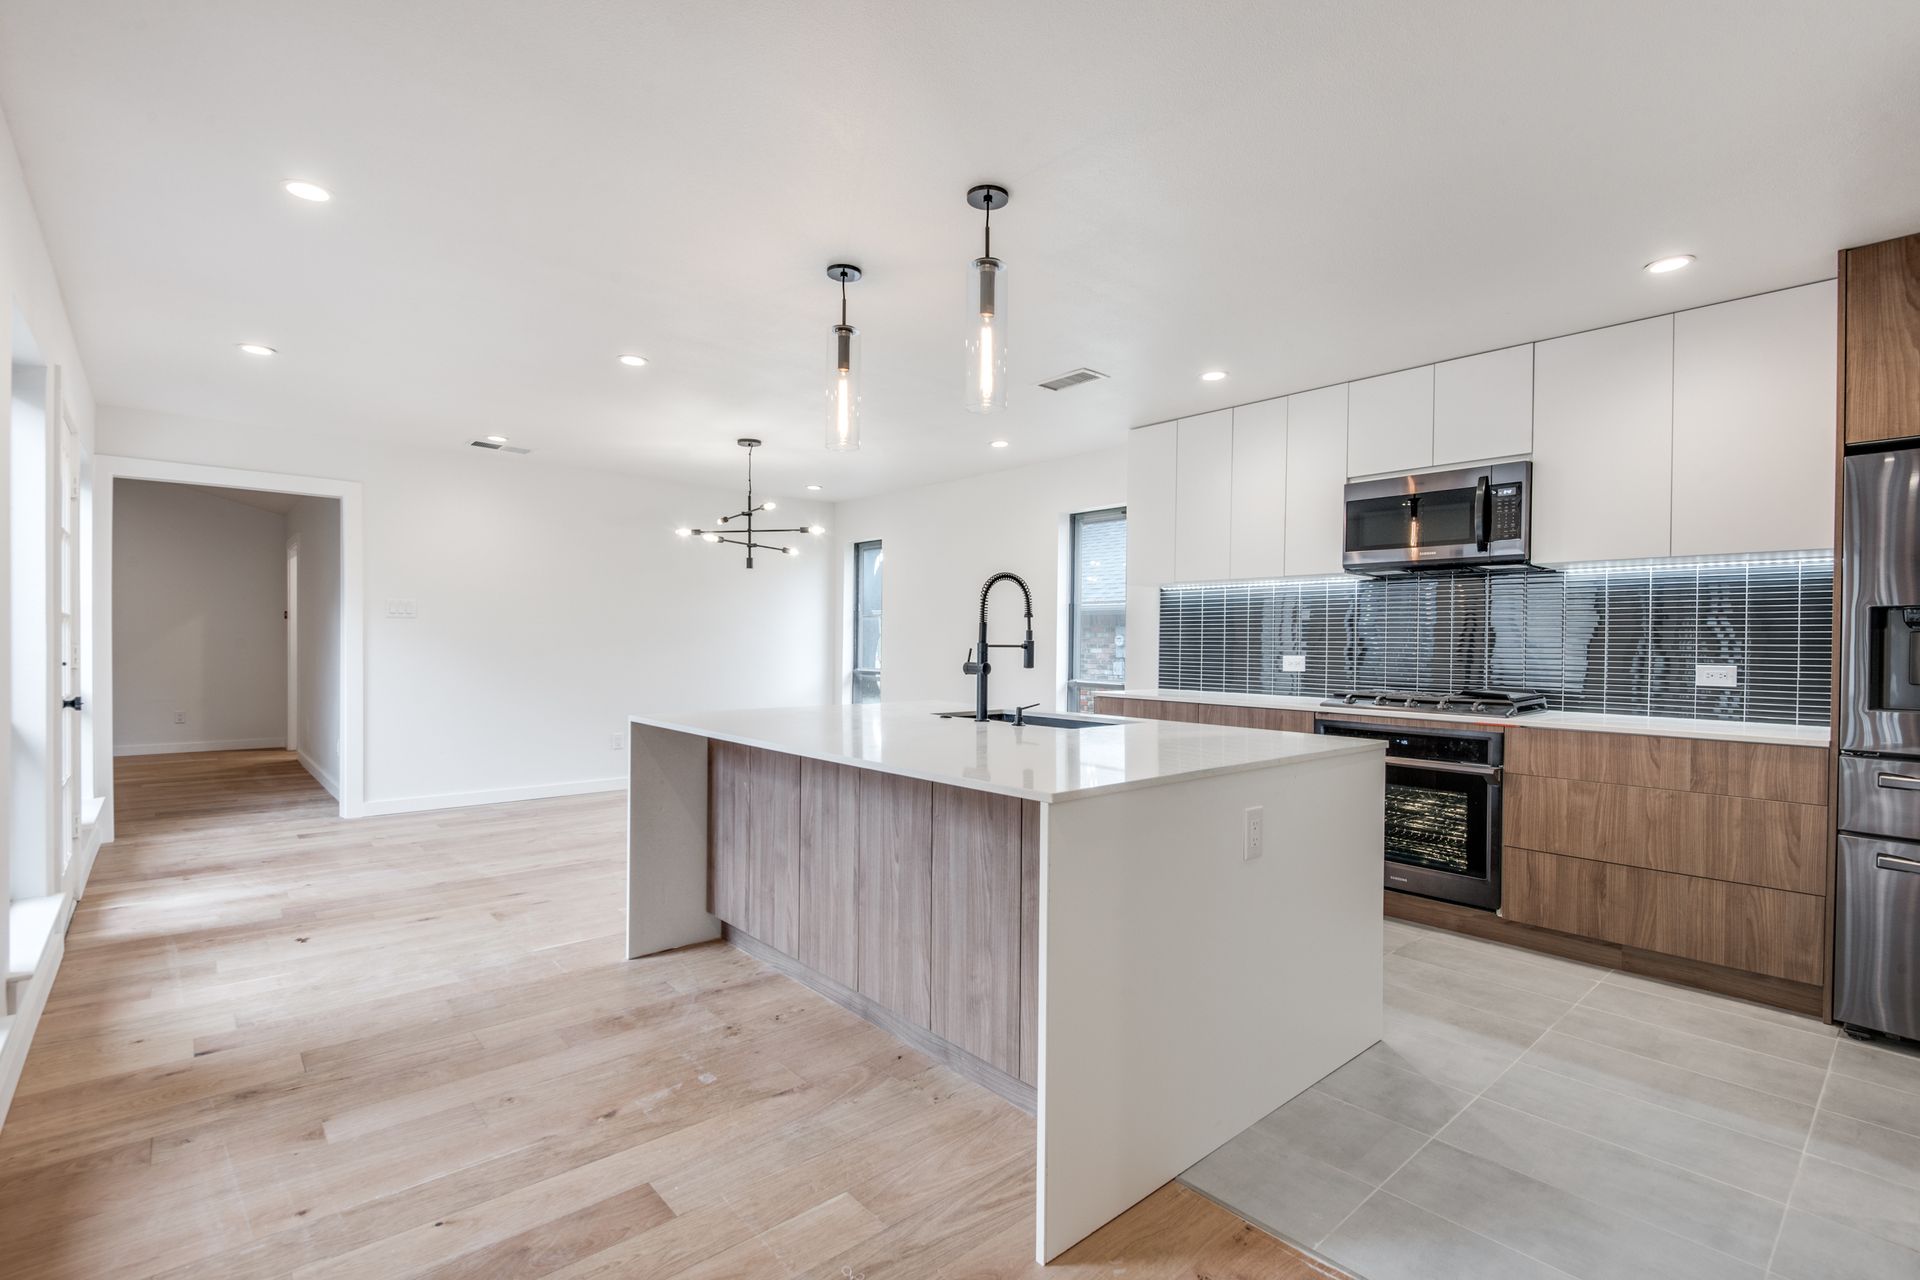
(616, 741)
(1293, 662)
(1256, 832)
(179, 717)
(1716, 675)
(401, 608)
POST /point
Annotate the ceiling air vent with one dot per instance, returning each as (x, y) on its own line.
(498, 447)
(1073, 379)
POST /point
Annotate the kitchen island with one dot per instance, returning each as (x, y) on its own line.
(1148, 933)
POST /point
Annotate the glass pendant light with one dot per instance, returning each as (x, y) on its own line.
(986, 376)
(843, 385)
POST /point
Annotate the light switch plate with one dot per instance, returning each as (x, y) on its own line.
(1293, 662)
(1716, 675)
(399, 608)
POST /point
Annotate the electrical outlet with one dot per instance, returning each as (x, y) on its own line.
(179, 717)
(615, 741)
(1293, 662)
(1256, 832)
(1716, 675)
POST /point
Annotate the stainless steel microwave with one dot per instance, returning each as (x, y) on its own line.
(1440, 519)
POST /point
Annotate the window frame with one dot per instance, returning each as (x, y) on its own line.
(855, 670)
(1080, 689)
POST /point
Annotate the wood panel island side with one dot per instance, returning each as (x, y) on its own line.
(1069, 916)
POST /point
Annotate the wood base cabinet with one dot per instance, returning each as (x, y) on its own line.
(909, 900)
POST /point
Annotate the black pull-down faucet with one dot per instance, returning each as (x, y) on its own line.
(979, 667)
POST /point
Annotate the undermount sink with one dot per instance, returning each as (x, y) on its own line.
(1039, 720)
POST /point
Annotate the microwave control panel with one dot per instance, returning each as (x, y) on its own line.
(1508, 505)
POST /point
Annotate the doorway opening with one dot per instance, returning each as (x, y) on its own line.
(231, 617)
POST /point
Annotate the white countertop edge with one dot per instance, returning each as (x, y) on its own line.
(1786, 735)
(1323, 749)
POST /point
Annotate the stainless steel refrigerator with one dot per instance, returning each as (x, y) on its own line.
(1877, 911)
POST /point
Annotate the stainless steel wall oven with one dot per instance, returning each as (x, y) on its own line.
(1443, 809)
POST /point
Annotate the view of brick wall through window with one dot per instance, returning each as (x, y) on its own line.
(1620, 639)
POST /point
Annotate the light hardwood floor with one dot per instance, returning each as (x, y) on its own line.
(282, 1044)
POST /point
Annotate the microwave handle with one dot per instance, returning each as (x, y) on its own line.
(1480, 514)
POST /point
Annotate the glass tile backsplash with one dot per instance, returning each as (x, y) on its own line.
(1622, 639)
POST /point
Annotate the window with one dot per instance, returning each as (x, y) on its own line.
(1097, 610)
(867, 561)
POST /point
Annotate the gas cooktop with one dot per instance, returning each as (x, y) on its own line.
(1467, 702)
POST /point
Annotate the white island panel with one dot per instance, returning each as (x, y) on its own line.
(1185, 990)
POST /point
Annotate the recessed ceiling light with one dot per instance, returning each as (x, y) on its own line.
(498, 439)
(813, 488)
(256, 349)
(633, 362)
(307, 190)
(1660, 266)
(1001, 444)
(1213, 375)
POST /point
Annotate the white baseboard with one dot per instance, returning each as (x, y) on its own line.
(13, 1053)
(320, 775)
(181, 748)
(501, 795)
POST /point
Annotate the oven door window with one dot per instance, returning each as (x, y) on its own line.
(1437, 820)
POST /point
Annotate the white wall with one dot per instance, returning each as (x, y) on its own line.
(315, 524)
(942, 542)
(198, 632)
(30, 301)
(550, 602)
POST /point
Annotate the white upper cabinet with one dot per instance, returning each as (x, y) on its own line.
(1259, 543)
(1316, 517)
(1151, 456)
(1203, 497)
(1483, 406)
(1390, 423)
(1753, 423)
(1603, 444)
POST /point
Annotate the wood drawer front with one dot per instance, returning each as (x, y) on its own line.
(1734, 838)
(1760, 770)
(1735, 925)
(1237, 717)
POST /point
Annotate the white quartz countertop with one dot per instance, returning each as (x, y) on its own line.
(1654, 726)
(1031, 762)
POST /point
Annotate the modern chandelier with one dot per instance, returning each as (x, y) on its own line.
(986, 377)
(843, 385)
(715, 535)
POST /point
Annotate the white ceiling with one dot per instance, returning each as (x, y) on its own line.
(1297, 193)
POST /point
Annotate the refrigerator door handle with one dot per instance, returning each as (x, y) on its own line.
(1889, 862)
(1897, 782)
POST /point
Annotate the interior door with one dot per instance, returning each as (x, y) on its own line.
(70, 693)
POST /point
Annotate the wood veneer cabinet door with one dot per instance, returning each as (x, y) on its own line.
(829, 912)
(977, 890)
(1737, 926)
(773, 849)
(1882, 375)
(1735, 838)
(1762, 770)
(895, 888)
(1031, 816)
(727, 869)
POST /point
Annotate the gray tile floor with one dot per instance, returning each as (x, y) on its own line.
(1526, 1116)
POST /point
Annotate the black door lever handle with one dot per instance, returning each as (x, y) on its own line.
(74, 703)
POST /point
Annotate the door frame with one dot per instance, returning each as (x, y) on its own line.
(107, 469)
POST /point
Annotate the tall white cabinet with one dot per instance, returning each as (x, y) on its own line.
(1258, 545)
(1603, 443)
(1316, 515)
(1753, 410)
(1203, 496)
